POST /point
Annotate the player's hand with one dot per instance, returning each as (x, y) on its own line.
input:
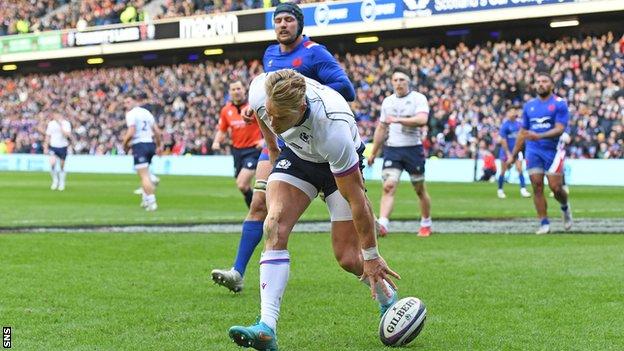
(509, 155)
(371, 160)
(260, 144)
(46, 151)
(531, 135)
(216, 146)
(159, 150)
(377, 270)
(248, 114)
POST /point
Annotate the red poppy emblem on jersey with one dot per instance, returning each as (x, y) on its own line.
(297, 62)
(551, 107)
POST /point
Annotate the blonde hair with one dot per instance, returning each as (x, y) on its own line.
(285, 89)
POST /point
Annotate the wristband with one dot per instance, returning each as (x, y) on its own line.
(370, 254)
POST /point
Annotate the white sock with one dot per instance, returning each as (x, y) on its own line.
(381, 295)
(150, 199)
(54, 176)
(425, 222)
(62, 176)
(274, 270)
(384, 221)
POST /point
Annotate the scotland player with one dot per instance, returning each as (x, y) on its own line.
(508, 134)
(402, 115)
(323, 154)
(544, 119)
(293, 50)
(142, 132)
(58, 133)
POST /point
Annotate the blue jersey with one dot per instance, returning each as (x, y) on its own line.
(313, 61)
(540, 116)
(509, 131)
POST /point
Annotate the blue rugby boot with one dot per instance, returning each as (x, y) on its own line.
(258, 336)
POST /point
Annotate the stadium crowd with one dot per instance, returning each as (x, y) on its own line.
(27, 16)
(469, 89)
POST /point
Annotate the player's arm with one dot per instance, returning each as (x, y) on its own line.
(270, 138)
(505, 146)
(128, 137)
(157, 137)
(218, 140)
(351, 187)
(420, 119)
(378, 139)
(552, 133)
(46, 144)
(331, 74)
(522, 135)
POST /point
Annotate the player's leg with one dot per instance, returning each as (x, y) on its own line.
(251, 231)
(347, 248)
(425, 205)
(53, 171)
(287, 198)
(537, 182)
(245, 176)
(501, 178)
(390, 178)
(243, 183)
(142, 154)
(519, 169)
(62, 175)
(555, 182)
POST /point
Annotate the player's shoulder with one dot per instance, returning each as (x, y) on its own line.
(313, 48)
(417, 96)
(271, 50)
(560, 101)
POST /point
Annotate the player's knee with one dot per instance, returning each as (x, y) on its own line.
(349, 261)
(273, 227)
(389, 187)
(258, 209)
(242, 186)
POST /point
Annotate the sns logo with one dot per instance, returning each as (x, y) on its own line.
(283, 164)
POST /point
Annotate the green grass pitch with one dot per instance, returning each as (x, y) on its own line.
(103, 291)
(107, 199)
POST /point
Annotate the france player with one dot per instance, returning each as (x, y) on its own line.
(402, 115)
(293, 50)
(544, 119)
(508, 134)
(323, 153)
(141, 134)
(58, 133)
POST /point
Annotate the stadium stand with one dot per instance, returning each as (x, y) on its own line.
(469, 88)
(27, 16)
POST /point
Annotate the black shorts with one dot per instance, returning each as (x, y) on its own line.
(317, 174)
(408, 158)
(143, 154)
(245, 158)
(60, 152)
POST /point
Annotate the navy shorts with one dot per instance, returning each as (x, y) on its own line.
(143, 153)
(545, 161)
(245, 158)
(317, 174)
(60, 152)
(408, 158)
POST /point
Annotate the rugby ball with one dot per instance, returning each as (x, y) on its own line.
(402, 322)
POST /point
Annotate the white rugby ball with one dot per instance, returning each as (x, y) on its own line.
(402, 322)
